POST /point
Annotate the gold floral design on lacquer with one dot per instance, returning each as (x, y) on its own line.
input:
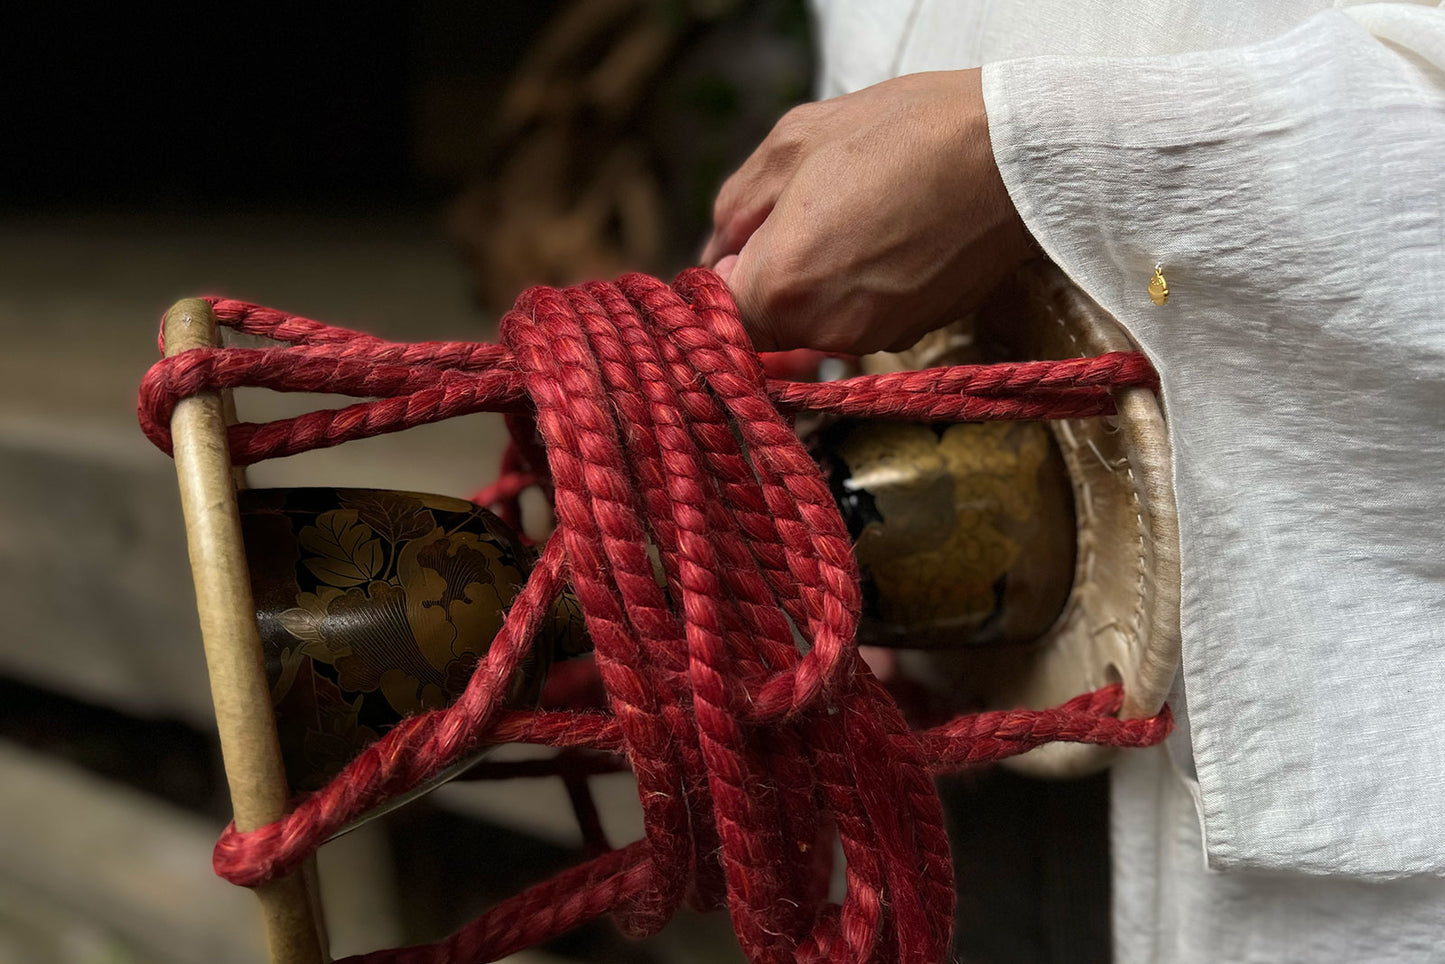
(374, 606)
(415, 636)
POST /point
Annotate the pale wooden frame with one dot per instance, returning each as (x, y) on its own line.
(234, 661)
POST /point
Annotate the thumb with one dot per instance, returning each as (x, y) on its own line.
(724, 268)
(737, 271)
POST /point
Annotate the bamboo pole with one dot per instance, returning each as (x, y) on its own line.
(239, 690)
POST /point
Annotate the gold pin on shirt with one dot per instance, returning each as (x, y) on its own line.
(1158, 287)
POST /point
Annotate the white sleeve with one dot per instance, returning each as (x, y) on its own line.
(1294, 192)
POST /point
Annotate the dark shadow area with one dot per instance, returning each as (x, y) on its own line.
(166, 758)
(213, 104)
(1031, 860)
(452, 867)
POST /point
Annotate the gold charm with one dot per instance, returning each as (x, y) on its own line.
(1158, 287)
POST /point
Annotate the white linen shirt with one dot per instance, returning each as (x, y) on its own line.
(1285, 162)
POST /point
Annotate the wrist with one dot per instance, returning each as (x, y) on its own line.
(1005, 227)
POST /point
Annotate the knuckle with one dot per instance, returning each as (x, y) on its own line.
(795, 128)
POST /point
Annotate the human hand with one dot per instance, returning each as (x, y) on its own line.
(865, 221)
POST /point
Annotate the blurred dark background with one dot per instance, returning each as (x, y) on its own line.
(606, 124)
(210, 103)
(403, 169)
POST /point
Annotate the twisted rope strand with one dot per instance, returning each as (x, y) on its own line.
(643, 413)
(434, 381)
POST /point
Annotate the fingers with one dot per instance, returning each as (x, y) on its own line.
(740, 274)
(743, 204)
(784, 290)
(864, 221)
(748, 196)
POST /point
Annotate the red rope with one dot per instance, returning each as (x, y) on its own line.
(644, 412)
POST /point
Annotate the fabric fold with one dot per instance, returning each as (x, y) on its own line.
(1294, 194)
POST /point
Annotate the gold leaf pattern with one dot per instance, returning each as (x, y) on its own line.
(346, 554)
(374, 606)
(395, 516)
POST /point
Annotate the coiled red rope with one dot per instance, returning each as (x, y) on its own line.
(643, 410)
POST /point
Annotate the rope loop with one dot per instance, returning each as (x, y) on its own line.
(720, 593)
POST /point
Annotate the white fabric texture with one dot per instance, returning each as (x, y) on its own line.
(1290, 188)
(1285, 162)
(1168, 909)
